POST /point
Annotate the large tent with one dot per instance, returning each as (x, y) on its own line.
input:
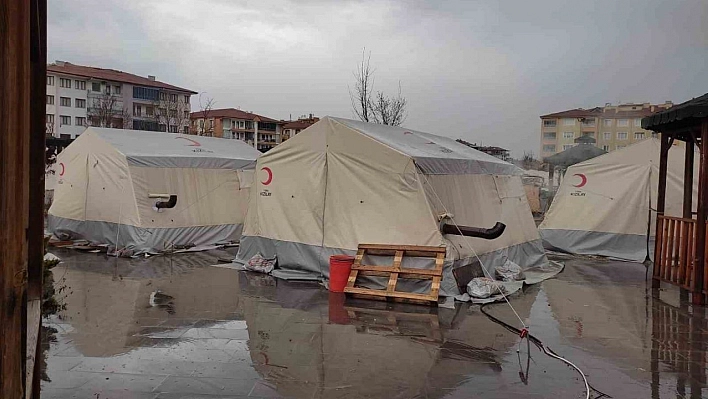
(604, 205)
(109, 182)
(341, 182)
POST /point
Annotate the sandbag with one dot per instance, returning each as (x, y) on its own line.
(483, 287)
(509, 271)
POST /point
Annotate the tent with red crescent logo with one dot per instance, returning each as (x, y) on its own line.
(604, 206)
(110, 181)
(341, 182)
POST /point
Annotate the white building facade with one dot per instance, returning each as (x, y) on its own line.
(81, 96)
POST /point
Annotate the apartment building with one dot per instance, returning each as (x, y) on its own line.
(261, 132)
(80, 96)
(612, 126)
(291, 128)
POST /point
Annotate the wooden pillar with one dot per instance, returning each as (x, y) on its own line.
(688, 180)
(14, 190)
(697, 297)
(660, 200)
(35, 230)
(551, 169)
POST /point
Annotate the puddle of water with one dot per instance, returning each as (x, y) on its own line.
(163, 327)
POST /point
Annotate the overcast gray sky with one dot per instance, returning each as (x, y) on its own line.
(479, 70)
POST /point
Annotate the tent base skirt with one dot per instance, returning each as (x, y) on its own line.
(298, 261)
(141, 239)
(629, 247)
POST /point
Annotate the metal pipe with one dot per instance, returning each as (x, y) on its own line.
(477, 232)
(167, 204)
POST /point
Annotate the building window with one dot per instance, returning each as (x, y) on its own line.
(80, 121)
(186, 130)
(149, 110)
(65, 136)
(186, 99)
(242, 124)
(146, 125)
(654, 135)
(186, 114)
(173, 98)
(163, 96)
(549, 148)
(146, 93)
(589, 134)
(549, 123)
(589, 122)
(95, 86)
(607, 135)
(607, 122)
(65, 83)
(567, 146)
(622, 122)
(137, 110)
(639, 136)
(638, 122)
(80, 103)
(50, 100)
(65, 101)
(50, 80)
(569, 122)
(549, 135)
(606, 147)
(108, 89)
(50, 118)
(621, 135)
(65, 120)
(568, 135)
(173, 128)
(116, 89)
(80, 84)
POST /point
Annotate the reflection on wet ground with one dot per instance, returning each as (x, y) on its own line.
(180, 328)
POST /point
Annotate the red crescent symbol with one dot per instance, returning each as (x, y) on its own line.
(583, 180)
(270, 176)
(407, 133)
(62, 168)
(194, 143)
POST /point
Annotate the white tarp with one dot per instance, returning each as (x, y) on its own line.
(340, 183)
(106, 177)
(604, 206)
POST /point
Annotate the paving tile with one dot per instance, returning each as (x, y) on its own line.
(206, 386)
(118, 382)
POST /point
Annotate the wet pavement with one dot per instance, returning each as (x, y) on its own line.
(178, 327)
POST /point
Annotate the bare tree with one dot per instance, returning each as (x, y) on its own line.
(363, 88)
(204, 126)
(105, 111)
(389, 110)
(378, 108)
(171, 113)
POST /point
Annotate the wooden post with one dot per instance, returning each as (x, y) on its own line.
(660, 204)
(551, 169)
(14, 191)
(35, 230)
(697, 297)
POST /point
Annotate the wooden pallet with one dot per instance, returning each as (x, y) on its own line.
(394, 271)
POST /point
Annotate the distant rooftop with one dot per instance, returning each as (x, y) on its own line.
(233, 113)
(68, 68)
(628, 110)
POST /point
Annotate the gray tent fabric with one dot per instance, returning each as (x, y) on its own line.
(167, 150)
(434, 155)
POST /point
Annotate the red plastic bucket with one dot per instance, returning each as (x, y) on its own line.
(339, 268)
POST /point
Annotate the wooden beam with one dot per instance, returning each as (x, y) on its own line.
(697, 296)
(660, 205)
(688, 181)
(14, 191)
(35, 230)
